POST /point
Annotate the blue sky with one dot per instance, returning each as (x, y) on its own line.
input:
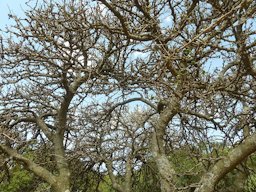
(16, 7)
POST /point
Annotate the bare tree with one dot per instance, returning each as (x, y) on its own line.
(181, 42)
(52, 62)
(70, 69)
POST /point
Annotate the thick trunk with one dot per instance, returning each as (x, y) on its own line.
(166, 172)
(165, 169)
(63, 184)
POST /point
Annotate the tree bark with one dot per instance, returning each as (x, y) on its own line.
(227, 164)
(165, 169)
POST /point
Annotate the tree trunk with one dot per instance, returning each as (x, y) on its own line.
(165, 169)
(63, 182)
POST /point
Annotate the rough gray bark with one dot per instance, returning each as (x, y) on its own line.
(165, 169)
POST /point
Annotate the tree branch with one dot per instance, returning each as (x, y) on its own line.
(30, 165)
(227, 164)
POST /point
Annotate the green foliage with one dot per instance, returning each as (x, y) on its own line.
(20, 181)
(186, 167)
(251, 180)
(251, 183)
(105, 185)
(233, 181)
(147, 179)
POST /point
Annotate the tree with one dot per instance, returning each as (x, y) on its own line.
(71, 69)
(190, 91)
(48, 70)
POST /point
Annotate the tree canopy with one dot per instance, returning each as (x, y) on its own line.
(150, 95)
